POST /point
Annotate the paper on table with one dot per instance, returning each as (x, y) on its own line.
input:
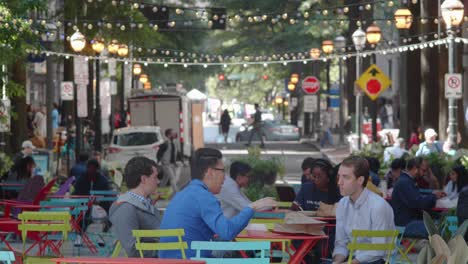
(256, 227)
(300, 218)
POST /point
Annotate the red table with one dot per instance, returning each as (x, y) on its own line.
(126, 260)
(308, 241)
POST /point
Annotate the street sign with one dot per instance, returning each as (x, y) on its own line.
(453, 86)
(373, 82)
(66, 91)
(80, 70)
(310, 85)
(310, 103)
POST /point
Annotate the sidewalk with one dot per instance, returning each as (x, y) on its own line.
(336, 153)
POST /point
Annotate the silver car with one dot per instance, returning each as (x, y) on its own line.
(272, 130)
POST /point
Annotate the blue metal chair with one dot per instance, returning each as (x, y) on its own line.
(451, 224)
(7, 257)
(262, 246)
(105, 196)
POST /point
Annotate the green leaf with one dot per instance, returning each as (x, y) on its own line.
(430, 225)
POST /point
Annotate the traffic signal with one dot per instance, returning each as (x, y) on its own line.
(221, 77)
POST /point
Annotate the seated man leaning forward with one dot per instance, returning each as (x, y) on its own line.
(134, 209)
(231, 197)
(359, 209)
(198, 212)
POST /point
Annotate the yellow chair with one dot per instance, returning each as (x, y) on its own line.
(46, 224)
(117, 249)
(389, 247)
(141, 246)
(284, 205)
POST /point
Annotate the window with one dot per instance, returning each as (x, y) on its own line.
(136, 139)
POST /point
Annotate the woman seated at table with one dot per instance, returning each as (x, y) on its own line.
(452, 188)
(33, 186)
(322, 189)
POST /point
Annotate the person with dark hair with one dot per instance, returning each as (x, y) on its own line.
(79, 168)
(306, 167)
(396, 168)
(451, 189)
(408, 203)
(25, 169)
(135, 209)
(323, 188)
(32, 187)
(231, 197)
(225, 123)
(92, 180)
(359, 209)
(168, 155)
(257, 127)
(199, 213)
(27, 149)
(374, 166)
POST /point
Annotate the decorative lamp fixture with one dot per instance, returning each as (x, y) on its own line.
(123, 50)
(98, 45)
(359, 39)
(452, 12)
(294, 78)
(340, 43)
(136, 69)
(373, 34)
(113, 47)
(291, 86)
(147, 86)
(285, 102)
(403, 18)
(314, 53)
(143, 78)
(78, 41)
(327, 46)
(279, 100)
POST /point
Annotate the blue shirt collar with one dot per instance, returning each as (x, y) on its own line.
(199, 183)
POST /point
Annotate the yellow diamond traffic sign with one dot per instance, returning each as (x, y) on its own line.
(373, 82)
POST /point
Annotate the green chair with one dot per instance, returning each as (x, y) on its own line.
(117, 249)
(142, 246)
(389, 247)
(7, 257)
(41, 224)
(261, 246)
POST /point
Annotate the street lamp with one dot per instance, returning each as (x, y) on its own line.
(359, 41)
(122, 51)
(403, 21)
(340, 44)
(452, 12)
(77, 43)
(279, 103)
(143, 78)
(98, 46)
(314, 53)
(48, 38)
(294, 78)
(113, 47)
(147, 85)
(136, 69)
(373, 34)
(291, 86)
(327, 47)
(403, 18)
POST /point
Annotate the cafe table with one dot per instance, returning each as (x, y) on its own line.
(308, 241)
(97, 260)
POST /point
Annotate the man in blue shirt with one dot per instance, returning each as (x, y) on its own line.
(359, 209)
(198, 212)
(408, 203)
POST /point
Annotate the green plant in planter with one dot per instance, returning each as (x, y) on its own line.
(263, 175)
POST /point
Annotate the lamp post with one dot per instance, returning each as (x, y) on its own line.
(47, 38)
(122, 51)
(136, 71)
(285, 106)
(279, 103)
(327, 48)
(359, 41)
(98, 46)
(315, 54)
(452, 12)
(77, 43)
(374, 35)
(403, 21)
(143, 78)
(340, 44)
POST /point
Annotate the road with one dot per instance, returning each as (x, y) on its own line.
(291, 152)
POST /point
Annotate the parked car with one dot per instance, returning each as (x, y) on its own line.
(272, 130)
(129, 142)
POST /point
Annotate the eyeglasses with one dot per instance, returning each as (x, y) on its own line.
(218, 169)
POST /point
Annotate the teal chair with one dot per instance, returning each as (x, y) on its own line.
(451, 224)
(261, 246)
(105, 196)
(7, 257)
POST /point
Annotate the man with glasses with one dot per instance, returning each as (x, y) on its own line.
(231, 197)
(408, 203)
(196, 209)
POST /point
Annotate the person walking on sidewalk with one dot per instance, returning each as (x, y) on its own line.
(168, 155)
(225, 123)
(257, 126)
(327, 136)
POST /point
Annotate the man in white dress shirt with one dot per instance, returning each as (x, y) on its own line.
(359, 209)
(231, 197)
